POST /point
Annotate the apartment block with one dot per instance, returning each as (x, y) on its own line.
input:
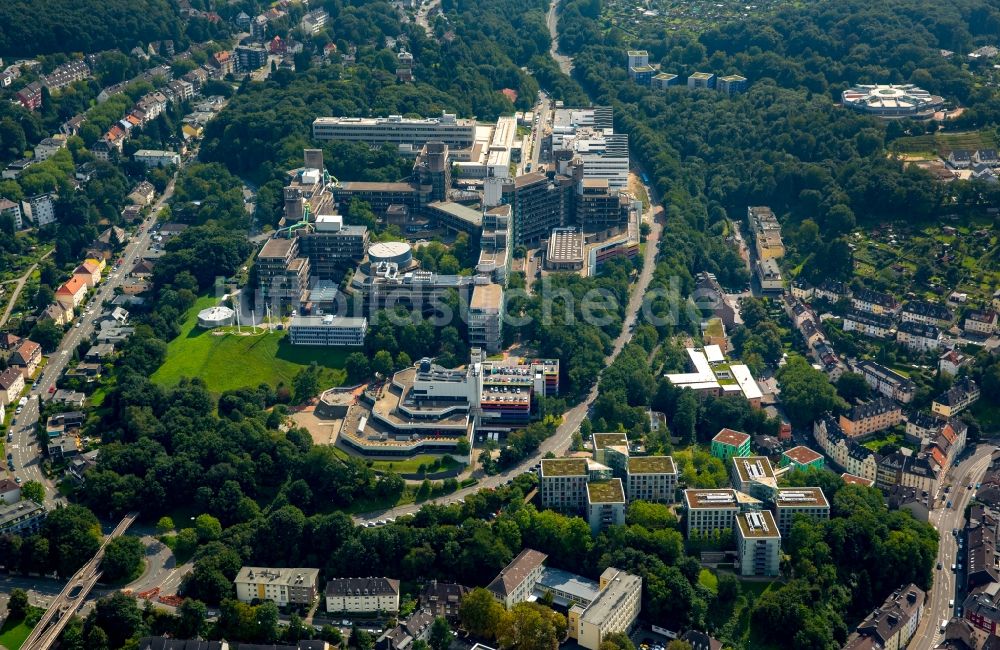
(928, 313)
(485, 320)
(732, 84)
(892, 625)
(701, 80)
(362, 595)
(887, 382)
(765, 232)
(753, 475)
(801, 457)
(710, 510)
(919, 337)
(963, 394)
(603, 443)
(868, 323)
(615, 609)
(875, 415)
(805, 501)
(408, 134)
(562, 484)
(651, 478)
(293, 586)
(874, 302)
(758, 543)
(605, 504)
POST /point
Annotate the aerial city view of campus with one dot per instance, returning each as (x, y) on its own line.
(537, 325)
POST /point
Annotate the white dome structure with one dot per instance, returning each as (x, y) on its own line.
(892, 101)
(393, 252)
(217, 316)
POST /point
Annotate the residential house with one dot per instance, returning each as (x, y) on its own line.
(917, 502)
(71, 293)
(63, 447)
(516, 582)
(69, 398)
(851, 479)
(843, 451)
(416, 627)
(12, 208)
(42, 209)
(100, 352)
(918, 337)
(26, 358)
(959, 159)
(874, 302)
(832, 290)
(9, 341)
(869, 324)
(286, 586)
(10, 491)
(870, 417)
(163, 643)
(442, 598)
(143, 193)
(156, 158)
(11, 385)
(16, 168)
(562, 483)
(362, 595)
(30, 96)
(651, 478)
(952, 361)
(929, 313)
(963, 394)
(802, 290)
(921, 470)
(699, 640)
(66, 74)
(981, 322)
(892, 625)
(47, 147)
(887, 382)
(986, 157)
(90, 272)
(22, 518)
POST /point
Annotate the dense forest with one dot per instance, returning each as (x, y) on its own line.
(31, 27)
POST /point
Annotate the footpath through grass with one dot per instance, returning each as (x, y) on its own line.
(230, 361)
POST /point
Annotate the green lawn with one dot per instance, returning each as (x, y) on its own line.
(944, 143)
(412, 465)
(229, 361)
(13, 633)
(708, 580)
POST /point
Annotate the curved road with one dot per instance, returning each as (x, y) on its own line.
(559, 441)
(552, 21)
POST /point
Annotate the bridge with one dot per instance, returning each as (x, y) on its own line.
(51, 625)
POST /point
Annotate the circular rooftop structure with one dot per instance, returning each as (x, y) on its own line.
(217, 316)
(892, 100)
(393, 252)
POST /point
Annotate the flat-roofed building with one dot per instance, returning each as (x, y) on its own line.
(516, 582)
(710, 510)
(408, 134)
(664, 80)
(567, 588)
(765, 232)
(701, 80)
(602, 442)
(807, 501)
(651, 478)
(565, 250)
(283, 274)
(328, 330)
(615, 609)
(758, 543)
(539, 204)
(562, 483)
(754, 475)
(289, 586)
(728, 443)
(331, 245)
(485, 325)
(605, 504)
(852, 479)
(731, 84)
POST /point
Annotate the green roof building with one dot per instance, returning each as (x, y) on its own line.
(728, 443)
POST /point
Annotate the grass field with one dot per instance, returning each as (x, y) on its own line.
(943, 144)
(13, 633)
(231, 361)
(707, 579)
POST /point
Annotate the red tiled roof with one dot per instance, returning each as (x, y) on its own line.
(71, 287)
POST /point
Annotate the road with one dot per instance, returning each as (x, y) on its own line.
(937, 608)
(571, 420)
(423, 15)
(21, 281)
(552, 21)
(24, 444)
(48, 628)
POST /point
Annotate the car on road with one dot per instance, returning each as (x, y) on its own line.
(52, 389)
(17, 479)
(951, 603)
(949, 504)
(939, 566)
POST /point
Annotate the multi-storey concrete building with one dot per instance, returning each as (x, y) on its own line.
(731, 84)
(805, 501)
(651, 478)
(409, 135)
(615, 609)
(539, 204)
(801, 457)
(291, 586)
(485, 317)
(754, 476)
(710, 510)
(728, 443)
(328, 330)
(701, 80)
(605, 504)
(765, 232)
(562, 483)
(282, 273)
(758, 543)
